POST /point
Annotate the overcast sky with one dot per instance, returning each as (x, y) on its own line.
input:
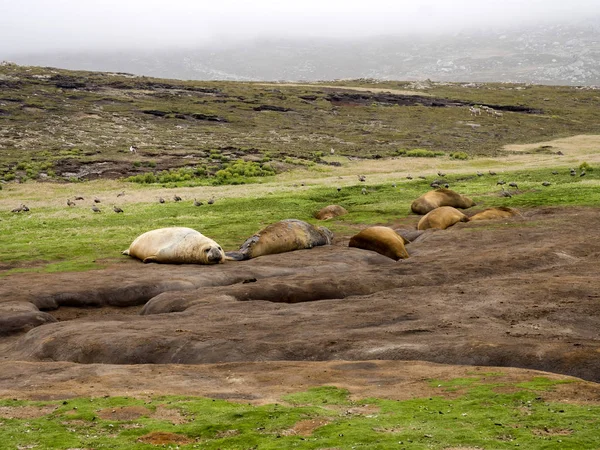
(46, 25)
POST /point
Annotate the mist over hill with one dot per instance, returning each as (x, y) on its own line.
(563, 54)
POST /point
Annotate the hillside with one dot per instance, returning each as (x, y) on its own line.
(73, 125)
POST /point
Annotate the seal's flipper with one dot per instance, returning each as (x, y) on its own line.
(236, 256)
(125, 252)
(149, 259)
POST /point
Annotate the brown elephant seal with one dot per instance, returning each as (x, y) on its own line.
(285, 236)
(440, 197)
(500, 212)
(441, 218)
(176, 245)
(382, 240)
(331, 211)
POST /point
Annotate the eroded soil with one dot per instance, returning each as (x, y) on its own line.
(521, 292)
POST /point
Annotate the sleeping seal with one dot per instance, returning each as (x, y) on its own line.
(331, 211)
(440, 197)
(382, 240)
(285, 236)
(500, 212)
(442, 218)
(176, 245)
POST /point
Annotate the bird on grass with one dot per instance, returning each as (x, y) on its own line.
(79, 197)
(492, 173)
(121, 194)
(408, 177)
(97, 200)
(513, 184)
(447, 186)
(546, 183)
(211, 201)
(364, 191)
(479, 174)
(161, 200)
(435, 185)
(117, 209)
(24, 208)
(177, 198)
(70, 203)
(18, 209)
(197, 203)
(500, 182)
(573, 172)
(394, 185)
(554, 172)
(441, 174)
(362, 178)
(505, 193)
(96, 209)
(582, 174)
(339, 188)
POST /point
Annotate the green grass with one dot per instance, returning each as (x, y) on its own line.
(61, 239)
(480, 417)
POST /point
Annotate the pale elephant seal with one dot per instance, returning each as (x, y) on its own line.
(382, 240)
(176, 245)
(285, 236)
(500, 212)
(442, 218)
(440, 197)
(331, 211)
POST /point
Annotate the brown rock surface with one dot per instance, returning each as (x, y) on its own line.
(522, 292)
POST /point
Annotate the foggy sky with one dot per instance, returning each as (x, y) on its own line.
(44, 25)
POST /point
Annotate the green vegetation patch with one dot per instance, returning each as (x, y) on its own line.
(322, 417)
(68, 239)
(238, 172)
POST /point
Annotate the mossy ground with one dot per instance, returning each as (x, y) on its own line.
(325, 417)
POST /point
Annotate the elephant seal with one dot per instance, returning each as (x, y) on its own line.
(382, 240)
(176, 245)
(500, 212)
(440, 197)
(442, 218)
(285, 236)
(331, 211)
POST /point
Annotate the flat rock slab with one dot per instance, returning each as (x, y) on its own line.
(519, 292)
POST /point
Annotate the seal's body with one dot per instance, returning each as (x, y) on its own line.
(176, 245)
(500, 212)
(285, 236)
(331, 211)
(441, 218)
(440, 197)
(382, 240)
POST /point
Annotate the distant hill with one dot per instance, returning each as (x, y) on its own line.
(548, 54)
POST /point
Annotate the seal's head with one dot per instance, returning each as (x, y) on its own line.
(328, 234)
(213, 254)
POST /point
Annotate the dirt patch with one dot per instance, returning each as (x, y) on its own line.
(551, 431)
(124, 413)
(305, 427)
(164, 438)
(25, 412)
(169, 414)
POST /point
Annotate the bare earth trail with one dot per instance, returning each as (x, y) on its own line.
(521, 293)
